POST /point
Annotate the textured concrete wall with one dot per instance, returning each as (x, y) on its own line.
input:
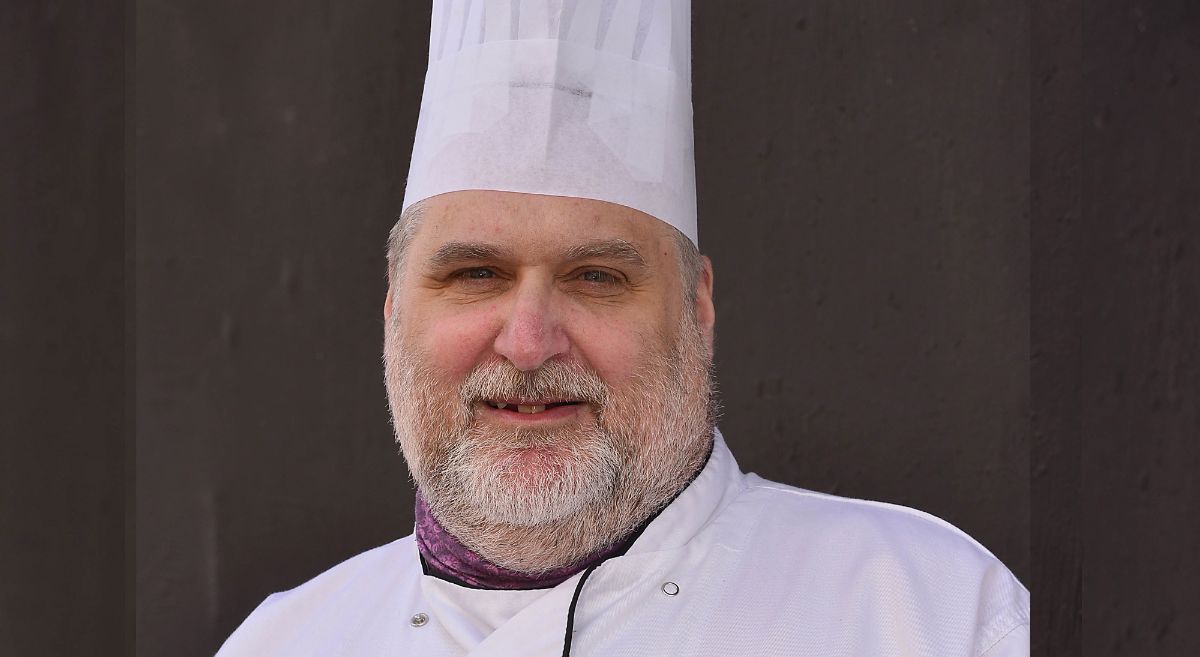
(1057, 290)
(864, 190)
(62, 324)
(1140, 341)
(271, 146)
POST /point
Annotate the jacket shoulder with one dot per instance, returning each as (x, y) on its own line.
(320, 614)
(881, 524)
(898, 553)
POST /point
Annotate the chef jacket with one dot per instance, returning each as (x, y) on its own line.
(736, 565)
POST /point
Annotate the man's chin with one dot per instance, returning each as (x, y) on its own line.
(533, 467)
(535, 485)
(526, 508)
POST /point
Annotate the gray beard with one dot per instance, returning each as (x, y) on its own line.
(532, 500)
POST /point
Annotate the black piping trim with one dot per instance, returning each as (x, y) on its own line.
(571, 610)
(426, 570)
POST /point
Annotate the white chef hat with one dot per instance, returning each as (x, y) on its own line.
(583, 98)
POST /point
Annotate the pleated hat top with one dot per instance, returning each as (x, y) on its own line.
(583, 98)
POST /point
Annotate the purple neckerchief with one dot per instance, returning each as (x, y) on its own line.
(446, 558)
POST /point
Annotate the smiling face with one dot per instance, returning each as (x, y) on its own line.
(547, 373)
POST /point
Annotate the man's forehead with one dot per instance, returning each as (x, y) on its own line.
(503, 223)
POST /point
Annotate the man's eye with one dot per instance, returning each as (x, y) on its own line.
(598, 276)
(477, 273)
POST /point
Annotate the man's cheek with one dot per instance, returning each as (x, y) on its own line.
(616, 353)
(456, 347)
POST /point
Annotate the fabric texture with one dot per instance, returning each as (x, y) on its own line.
(581, 98)
(736, 565)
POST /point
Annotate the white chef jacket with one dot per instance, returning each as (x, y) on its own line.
(736, 565)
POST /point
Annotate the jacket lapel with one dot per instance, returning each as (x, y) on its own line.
(536, 631)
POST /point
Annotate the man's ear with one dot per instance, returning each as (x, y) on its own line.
(706, 313)
(387, 305)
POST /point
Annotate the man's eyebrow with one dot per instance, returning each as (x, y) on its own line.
(616, 249)
(453, 252)
(606, 249)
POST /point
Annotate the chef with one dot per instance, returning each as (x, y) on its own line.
(548, 363)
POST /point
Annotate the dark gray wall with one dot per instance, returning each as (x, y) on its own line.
(1115, 330)
(62, 328)
(1057, 289)
(864, 190)
(1140, 344)
(271, 146)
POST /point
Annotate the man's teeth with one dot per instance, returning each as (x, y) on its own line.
(521, 408)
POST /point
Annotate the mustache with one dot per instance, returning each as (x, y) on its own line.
(553, 380)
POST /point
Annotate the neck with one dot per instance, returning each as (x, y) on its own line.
(445, 557)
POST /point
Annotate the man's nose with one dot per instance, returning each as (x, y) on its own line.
(532, 333)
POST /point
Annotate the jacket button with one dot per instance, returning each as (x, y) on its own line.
(419, 619)
(670, 588)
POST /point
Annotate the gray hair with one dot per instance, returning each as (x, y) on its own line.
(691, 262)
(400, 237)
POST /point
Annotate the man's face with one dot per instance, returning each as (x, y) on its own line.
(543, 368)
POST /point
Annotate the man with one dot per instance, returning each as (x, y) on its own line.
(548, 349)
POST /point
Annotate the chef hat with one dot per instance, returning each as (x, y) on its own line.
(584, 98)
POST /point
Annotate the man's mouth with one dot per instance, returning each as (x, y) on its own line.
(526, 406)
